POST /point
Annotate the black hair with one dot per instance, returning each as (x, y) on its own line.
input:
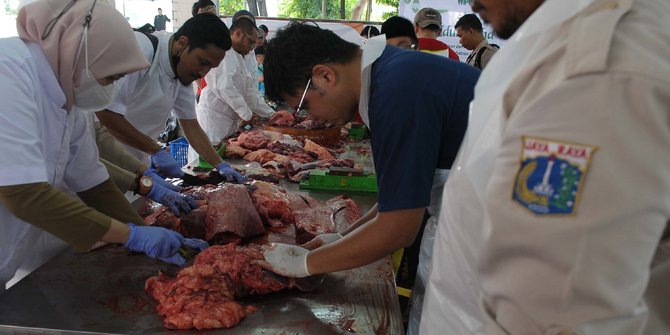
(265, 28)
(147, 28)
(260, 50)
(294, 51)
(201, 4)
(370, 31)
(204, 29)
(396, 26)
(160, 9)
(243, 24)
(469, 21)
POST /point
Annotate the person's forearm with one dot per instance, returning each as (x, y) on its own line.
(58, 213)
(108, 199)
(118, 233)
(199, 141)
(375, 239)
(126, 133)
(365, 218)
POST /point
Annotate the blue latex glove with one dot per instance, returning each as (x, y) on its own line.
(156, 242)
(157, 179)
(195, 243)
(230, 174)
(166, 164)
(177, 202)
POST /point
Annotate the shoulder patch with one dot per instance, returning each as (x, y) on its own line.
(551, 175)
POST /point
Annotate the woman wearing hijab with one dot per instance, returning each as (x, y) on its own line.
(68, 54)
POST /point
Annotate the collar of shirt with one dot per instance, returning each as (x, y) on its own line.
(164, 61)
(372, 50)
(46, 75)
(550, 14)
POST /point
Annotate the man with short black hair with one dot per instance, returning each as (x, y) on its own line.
(159, 20)
(399, 32)
(415, 105)
(203, 6)
(471, 34)
(428, 27)
(232, 94)
(143, 100)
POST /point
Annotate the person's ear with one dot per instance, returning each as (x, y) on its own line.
(324, 75)
(181, 43)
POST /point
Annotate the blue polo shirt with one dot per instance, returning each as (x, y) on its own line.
(418, 113)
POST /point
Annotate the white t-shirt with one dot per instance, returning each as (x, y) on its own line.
(40, 142)
(147, 97)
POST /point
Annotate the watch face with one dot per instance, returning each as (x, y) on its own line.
(147, 182)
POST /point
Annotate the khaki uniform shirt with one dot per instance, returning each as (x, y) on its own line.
(486, 55)
(580, 191)
(561, 190)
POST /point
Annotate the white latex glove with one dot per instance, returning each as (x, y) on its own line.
(321, 240)
(286, 259)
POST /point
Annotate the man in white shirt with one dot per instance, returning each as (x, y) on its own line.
(144, 99)
(232, 93)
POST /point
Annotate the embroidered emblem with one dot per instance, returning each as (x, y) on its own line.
(551, 175)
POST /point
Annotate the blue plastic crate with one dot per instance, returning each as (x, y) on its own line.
(179, 150)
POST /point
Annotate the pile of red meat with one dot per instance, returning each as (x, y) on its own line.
(286, 119)
(203, 296)
(282, 155)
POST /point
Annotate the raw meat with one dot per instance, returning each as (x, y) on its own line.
(345, 211)
(202, 296)
(310, 123)
(282, 119)
(254, 171)
(235, 151)
(261, 156)
(320, 151)
(272, 203)
(231, 211)
(252, 140)
(294, 153)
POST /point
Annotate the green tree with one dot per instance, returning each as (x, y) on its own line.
(229, 7)
(311, 9)
(393, 3)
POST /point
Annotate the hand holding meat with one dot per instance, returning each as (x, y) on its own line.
(157, 179)
(161, 243)
(285, 259)
(227, 172)
(166, 164)
(321, 240)
(177, 202)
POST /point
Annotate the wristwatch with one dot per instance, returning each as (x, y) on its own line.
(145, 185)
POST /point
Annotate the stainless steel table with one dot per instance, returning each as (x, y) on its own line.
(102, 292)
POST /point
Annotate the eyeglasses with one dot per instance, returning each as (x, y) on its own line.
(302, 99)
(252, 41)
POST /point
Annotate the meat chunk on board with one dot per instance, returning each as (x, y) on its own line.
(231, 210)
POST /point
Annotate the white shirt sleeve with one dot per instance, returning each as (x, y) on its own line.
(253, 95)
(84, 169)
(184, 105)
(225, 80)
(23, 161)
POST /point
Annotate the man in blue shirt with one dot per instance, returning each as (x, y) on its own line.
(416, 106)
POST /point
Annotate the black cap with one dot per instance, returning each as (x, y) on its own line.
(265, 28)
(244, 14)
